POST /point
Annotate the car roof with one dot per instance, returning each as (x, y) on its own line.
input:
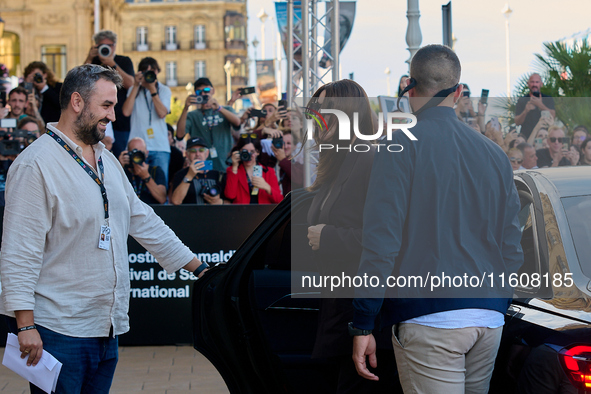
(569, 181)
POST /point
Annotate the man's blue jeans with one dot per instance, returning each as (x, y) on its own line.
(88, 363)
(160, 159)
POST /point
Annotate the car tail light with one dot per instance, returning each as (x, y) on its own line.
(576, 361)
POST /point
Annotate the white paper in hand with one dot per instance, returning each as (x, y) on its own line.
(44, 375)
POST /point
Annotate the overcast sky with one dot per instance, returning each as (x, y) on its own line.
(378, 39)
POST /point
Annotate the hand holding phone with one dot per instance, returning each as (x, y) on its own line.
(247, 90)
(484, 96)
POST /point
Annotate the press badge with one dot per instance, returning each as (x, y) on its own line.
(105, 238)
(150, 132)
(213, 152)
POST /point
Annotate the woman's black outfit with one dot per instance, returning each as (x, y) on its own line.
(340, 207)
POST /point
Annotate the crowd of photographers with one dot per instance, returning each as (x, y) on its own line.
(215, 156)
(542, 141)
(212, 155)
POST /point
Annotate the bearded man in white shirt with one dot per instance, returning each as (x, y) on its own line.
(69, 211)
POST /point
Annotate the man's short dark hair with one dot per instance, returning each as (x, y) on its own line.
(435, 68)
(147, 62)
(82, 79)
(203, 82)
(19, 90)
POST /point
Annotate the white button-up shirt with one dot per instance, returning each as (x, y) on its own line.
(51, 262)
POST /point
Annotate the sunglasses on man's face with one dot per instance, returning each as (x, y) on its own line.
(195, 150)
(516, 160)
(559, 139)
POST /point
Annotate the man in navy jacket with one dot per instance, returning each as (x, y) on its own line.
(444, 209)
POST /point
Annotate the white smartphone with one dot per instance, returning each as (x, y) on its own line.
(257, 170)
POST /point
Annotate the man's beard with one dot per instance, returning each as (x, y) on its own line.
(87, 129)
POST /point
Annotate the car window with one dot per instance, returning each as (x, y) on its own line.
(578, 214)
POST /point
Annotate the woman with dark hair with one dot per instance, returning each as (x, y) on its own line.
(335, 221)
(47, 90)
(585, 159)
(243, 185)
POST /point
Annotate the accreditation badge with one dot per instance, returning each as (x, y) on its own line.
(105, 238)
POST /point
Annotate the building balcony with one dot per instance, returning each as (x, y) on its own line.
(199, 45)
(170, 46)
(137, 47)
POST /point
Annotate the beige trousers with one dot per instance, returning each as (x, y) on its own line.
(449, 361)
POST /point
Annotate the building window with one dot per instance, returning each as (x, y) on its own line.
(142, 38)
(170, 38)
(55, 58)
(235, 30)
(200, 71)
(171, 79)
(199, 37)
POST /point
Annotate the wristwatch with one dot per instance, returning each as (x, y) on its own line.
(357, 331)
(201, 268)
(186, 180)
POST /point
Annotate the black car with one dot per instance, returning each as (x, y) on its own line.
(260, 336)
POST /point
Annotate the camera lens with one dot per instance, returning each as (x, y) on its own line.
(245, 155)
(104, 50)
(137, 157)
(38, 78)
(201, 99)
(149, 76)
(278, 142)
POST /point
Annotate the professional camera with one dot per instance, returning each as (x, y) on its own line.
(245, 155)
(210, 190)
(149, 76)
(136, 156)
(278, 142)
(105, 50)
(38, 78)
(202, 95)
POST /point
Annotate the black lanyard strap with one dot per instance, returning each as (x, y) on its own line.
(86, 169)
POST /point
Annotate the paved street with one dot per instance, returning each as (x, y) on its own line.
(154, 369)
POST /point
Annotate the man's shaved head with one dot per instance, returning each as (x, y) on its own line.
(435, 68)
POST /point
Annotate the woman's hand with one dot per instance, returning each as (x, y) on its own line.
(314, 236)
(261, 183)
(275, 133)
(235, 161)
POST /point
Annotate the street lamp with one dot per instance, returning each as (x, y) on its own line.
(255, 43)
(507, 12)
(263, 17)
(227, 68)
(387, 72)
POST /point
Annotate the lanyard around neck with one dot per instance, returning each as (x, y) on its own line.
(86, 169)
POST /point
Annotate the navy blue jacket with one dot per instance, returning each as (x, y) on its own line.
(447, 204)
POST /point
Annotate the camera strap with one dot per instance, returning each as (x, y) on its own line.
(148, 104)
(89, 171)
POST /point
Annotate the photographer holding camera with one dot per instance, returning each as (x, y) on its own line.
(47, 89)
(103, 53)
(148, 181)
(195, 184)
(210, 121)
(148, 103)
(528, 110)
(246, 181)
